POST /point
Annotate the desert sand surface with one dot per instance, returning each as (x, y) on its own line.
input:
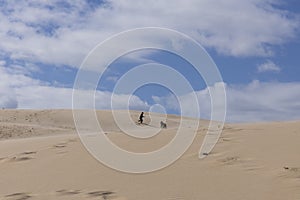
(42, 157)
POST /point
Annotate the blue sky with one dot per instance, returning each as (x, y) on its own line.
(254, 43)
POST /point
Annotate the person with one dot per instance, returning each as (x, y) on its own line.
(163, 124)
(141, 117)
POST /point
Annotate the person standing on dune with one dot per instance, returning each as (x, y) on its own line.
(141, 117)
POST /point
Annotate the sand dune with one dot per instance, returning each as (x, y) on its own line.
(41, 157)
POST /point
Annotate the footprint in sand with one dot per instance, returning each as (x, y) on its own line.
(28, 153)
(246, 164)
(18, 196)
(64, 144)
(226, 139)
(231, 160)
(73, 140)
(68, 192)
(292, 172)
(104, 194)
(24, 156)
(232, 129)
(20, 158)
(60, 145)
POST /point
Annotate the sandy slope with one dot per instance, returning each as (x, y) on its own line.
(41, 157)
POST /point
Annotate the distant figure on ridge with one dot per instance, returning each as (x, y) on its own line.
(163, 124)
(141, 117)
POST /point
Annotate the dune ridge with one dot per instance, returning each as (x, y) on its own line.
(41, 157)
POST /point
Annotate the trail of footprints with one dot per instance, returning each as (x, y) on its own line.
(98, 194)
(17, 196)
(104, 194)
(64, 144)
(227, 139)
(59, 147)
(250, 164)
(24, 156)
(291, 172)
(29, 155)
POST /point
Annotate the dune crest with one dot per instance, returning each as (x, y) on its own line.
(41, 157)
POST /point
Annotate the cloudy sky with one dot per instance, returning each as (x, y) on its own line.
(254, 43)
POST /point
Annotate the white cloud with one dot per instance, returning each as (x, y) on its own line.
(11, 79)
(46, 31)
(7, 97)
(45, 97)
(112, 78)
(170, 102)
(256, 101)
(2, 63)
(264, 101)
(268, 66)
(20, 91)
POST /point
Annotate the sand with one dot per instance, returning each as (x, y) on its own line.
(41, 157)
